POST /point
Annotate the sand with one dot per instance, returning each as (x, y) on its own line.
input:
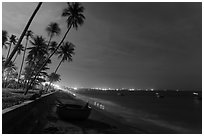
(97, 123)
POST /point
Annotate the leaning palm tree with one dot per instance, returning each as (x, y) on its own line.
(21, 48)
(52, 30)
(28, 34)
(65, 52)
(53, 77)
(12, 40)
(4, 39)
(75, 17)
(37, 53)
(39, 48)
(22, 35)
(52, 47)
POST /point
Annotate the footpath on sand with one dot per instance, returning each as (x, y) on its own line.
(97, 123)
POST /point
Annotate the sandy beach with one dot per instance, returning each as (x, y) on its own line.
(103, 122)
(97, 123)
(42, 118)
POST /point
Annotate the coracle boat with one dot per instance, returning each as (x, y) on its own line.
(73, 111)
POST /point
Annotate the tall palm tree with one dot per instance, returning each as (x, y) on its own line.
(65, 52)
(74, 14)
(75, 17)
(33, 67)
(52, 30)
(22, 35)
(21, 48)
(39, 48)
(4, 38)
(12, 40)
(28, 34)
(52, 47)
(37, 54)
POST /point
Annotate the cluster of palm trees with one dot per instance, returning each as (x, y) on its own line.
(39, 54)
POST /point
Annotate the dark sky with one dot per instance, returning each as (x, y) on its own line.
(134, 45)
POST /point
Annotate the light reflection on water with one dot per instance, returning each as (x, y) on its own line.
(111, 107)
(132, 115)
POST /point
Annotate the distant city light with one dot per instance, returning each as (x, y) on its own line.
(195, 93)
(75, 88)
(152, 89)
(131, 89)
(56, 86)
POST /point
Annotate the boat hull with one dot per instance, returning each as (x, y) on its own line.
(73, 112)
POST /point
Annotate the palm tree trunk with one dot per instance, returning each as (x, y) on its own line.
(58, 66)
(34, 65)
(49, 40)
(48, 58)
(49, 44)
(22, 35)
(15, 57)
(55, 73)
(8, 51)
(19, 75)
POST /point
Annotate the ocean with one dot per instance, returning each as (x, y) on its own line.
(151, 111)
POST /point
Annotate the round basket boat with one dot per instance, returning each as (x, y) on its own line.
(73, 111)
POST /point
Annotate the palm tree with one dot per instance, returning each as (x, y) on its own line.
(8, 73)
(21, 48)
(37, 54)
(31, 69)
(74, 14)
(52, 29)
(4, 38)
(65, 52)
(75, 17)
(53, 77)
(22, 35)
(28, 34)
(38, 49)
(27, 74)
(12, 40)
(52, 47)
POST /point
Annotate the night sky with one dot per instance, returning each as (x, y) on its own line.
(122, 45)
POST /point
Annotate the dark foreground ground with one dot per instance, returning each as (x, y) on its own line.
(97, 123)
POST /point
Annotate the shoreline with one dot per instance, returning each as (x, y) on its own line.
(97, 123)
(100, 121)
(138, 121)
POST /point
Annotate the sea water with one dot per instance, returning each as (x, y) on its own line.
(171, 111)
